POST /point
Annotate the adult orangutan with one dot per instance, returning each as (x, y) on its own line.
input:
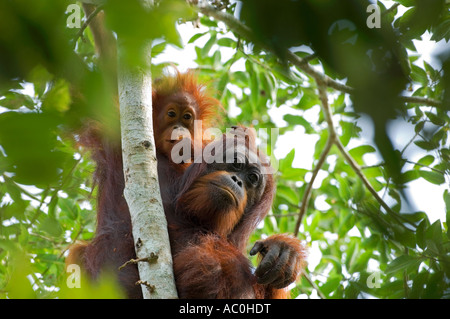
(178, 100)
(217, 206)
(196, 225)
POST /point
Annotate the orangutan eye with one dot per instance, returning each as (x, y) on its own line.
(171, 114)
(187, 116)
(238, 164)
(253, 178)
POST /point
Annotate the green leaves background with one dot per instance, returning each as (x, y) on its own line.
(46, 193)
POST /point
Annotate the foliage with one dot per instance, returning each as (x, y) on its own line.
(368, 245)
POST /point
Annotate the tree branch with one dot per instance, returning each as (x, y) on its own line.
(88, 21)
(308, 191)
(142, 193)
(152, 258)
(331, 140)
(313, 284)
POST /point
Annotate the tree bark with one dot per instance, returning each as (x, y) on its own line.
(141, 179)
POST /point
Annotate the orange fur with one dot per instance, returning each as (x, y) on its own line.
(187, 82)
(198, 200)
(211, 269)
(76, 254)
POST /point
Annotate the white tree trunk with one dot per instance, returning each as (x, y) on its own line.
(141, 181)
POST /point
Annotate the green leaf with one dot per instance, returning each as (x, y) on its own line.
(358, 152)
(358, 191)
(361, 263)
(57, 98)
(404, 236)
(69, 207)
(39, 76)
(447, 205)
(208, 45)
(432, 177)
(419, 75)
(419, 126)
(331, 285)
(346, 224)
(407, 3)
(409, 176)
(429, 146)
(294, 174)
(226, 42)
(51, 226)
(286, 162)
(401, 263)
(418, 285)
(196, 37)
(351, 253)
(254, 89)
(434, 232)
(426, 160)
(15, 100)
(435, 119)
(420, 233)
(288, 194)
(344, 188)
(158, 48)
(348, 131)
(299, 120)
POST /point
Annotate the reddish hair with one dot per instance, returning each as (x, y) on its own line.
(186, 82)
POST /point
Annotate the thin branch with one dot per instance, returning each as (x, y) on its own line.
(88, 21)
(152, 258)
(151, 288)
(426, 166)
(283, 215)
(406, 161)
(421, 100)
(313, 284)
(307, 194)
(331, 140)
(392, 8)
(22, 190)
(357, 169)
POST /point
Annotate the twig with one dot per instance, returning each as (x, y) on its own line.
(153, 258)
(150, 288)
(22, 190)
(392, 8)
(406, 161)
(421, 100)
(307, 194)
(369, 187)
(313, 284)
(88, 20)
(331, 140)
(356, 168)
